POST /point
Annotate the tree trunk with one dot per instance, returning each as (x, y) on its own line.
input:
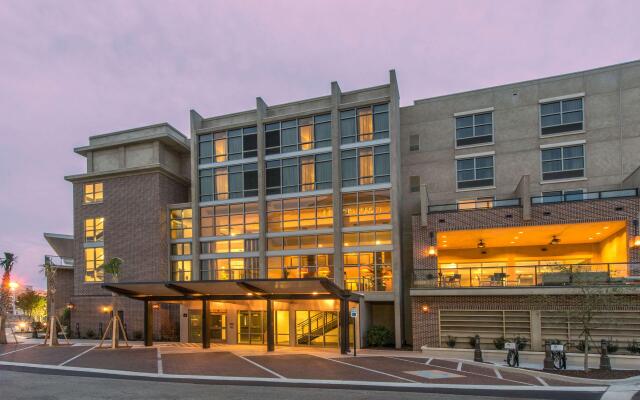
(3, 329)
(586, 355)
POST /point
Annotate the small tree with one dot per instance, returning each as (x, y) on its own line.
(7, 263)
(33, 304)
(112, 267)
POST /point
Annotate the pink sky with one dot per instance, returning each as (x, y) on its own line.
(73, 69)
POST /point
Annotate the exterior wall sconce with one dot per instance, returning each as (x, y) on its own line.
(71, 306)
(425, 308)
(105, 309)
(432, 251)
(481, 244)
(635, 241)
(155, 306)
(554, 240)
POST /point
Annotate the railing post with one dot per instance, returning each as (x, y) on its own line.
(477, 353)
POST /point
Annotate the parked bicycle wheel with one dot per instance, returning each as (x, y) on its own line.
(511, 358)
(557, 361)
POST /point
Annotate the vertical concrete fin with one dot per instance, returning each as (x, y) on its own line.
(393, 81)
(261, 113)
(335, 90)
(424, 204)
(523, 193)
(336, 176)
(196, 124)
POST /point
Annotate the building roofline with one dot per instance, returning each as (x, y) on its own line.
(158, 125)
(525, 82)
(58, 236)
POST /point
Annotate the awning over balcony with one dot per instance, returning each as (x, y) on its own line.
(274, 289)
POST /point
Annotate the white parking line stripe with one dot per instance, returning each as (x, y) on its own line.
(459, 368)
(160, 372)
(261, 366)
(79, 355)
(372, 370)
(541, 381)
(429, 361)
(466, 372)
(15, 351)
(498, 374)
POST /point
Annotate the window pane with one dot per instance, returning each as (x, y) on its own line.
(463, 122)
(551, 120)
(465, 164)
(481, 119)
(550, 108)
(573, 151)
(572, 117)
(572, 105)
(482, 162)
(551, 154)
(463, 133)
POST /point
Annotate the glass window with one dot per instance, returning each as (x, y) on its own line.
(94, 258)
(363, 124)
(414, 184)
(229, 220)
(306, 137)
(301, 134)
(365, 166)
(94, 229)
(414, 143)
(375, 238)
(181, 270)
(299, 174)
(181, 224)
(205, 148)
(474, 129)
(366, 208)
(233, 144)
(304, 266)
(93, 193)
(307, 174)
(181, 249)
(314, 212)
(561, 116)
(563, 162)
(229, 268)
(475, 172)
(368, 271)
(206, 184)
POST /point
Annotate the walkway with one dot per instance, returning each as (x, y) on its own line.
(293, 366)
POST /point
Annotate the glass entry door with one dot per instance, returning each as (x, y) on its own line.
(252, 326)
(217, 327)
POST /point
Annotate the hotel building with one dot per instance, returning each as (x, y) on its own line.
(480, 212)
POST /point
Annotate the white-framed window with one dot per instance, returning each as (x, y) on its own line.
(479, 202)
(414, 143)
(93, 258)
(475, 172)
(561, 116)
(474, 129)
(93, 193)
(557, 196)
(563, 162)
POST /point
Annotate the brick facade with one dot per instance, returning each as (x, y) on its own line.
(64, 290)
(136, 230)
(426, 325)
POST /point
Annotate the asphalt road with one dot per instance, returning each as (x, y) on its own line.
(22, 385)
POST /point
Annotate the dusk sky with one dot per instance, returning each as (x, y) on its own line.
(72, 69)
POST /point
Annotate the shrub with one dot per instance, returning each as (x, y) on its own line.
(612, 347)
(378, 336)
(521, 342)
(90, 333)
(137, 335)
(634, 347)
(499, 343)
(451, 342)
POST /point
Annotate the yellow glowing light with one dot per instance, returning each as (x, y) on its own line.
(444, 245)
(22, 325)
(590, 238)
(249, 294)
(105, 309)
(512, 242)
(432, 251)
(13, 285)
(606, 227)
(597, 233)
(520, 233)
(516, 238)
(377, 242)
(315, 293)
(425, 308)
(636, 241)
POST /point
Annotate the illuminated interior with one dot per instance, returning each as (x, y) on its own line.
(532, 255)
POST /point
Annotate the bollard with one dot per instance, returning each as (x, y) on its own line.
(99, 330)
(78, 330)
(548, 361)
(605, 362)
(477, 354)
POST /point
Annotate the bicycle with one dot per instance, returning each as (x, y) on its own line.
(513, 358)
(559, 356)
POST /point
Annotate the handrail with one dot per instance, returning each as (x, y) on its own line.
(607, 194)
(58, 261)
(528, 275)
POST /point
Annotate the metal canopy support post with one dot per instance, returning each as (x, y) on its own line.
(344, 325)
(206, 340)
(270, 330)
(148, 323)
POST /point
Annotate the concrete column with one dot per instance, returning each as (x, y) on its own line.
(536, 330)
(364, 322)
(261, 109)
(148, 323)
(343, 324)
(396, 221)
(270, 328)
(336, 175)
(206, 339)
(424, 204)
(196, 123)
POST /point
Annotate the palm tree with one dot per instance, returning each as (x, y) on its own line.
(6, 264)
(49, 270)
(112, 267)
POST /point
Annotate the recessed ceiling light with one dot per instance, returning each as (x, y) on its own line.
(606, 227)
(590, 238)
(520, 232)
(512, 242)
(444, 245)
(444, 241)
(597, 233)
(516, 238)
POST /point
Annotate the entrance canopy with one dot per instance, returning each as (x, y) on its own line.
(246, 289)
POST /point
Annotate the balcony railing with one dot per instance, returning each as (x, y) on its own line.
(58, 261)
(474, 205)
(527, 276)
(609, 194)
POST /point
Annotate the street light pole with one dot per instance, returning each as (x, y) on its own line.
(13, 286)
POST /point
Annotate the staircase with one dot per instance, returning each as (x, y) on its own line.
(315, 327)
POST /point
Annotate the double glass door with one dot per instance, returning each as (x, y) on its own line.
(217, 327)
(252, 327)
